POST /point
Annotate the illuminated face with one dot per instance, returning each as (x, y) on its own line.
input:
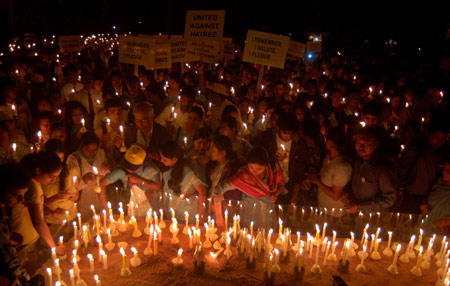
(336, 99)
(77, 115)
(278, 90)
(201, 145)
(44, 126)
(98, 84)
(370, 119)
(13, 200)
(437, 139)
(168, 162)
(300, 114)
(90, 151)
(59, 134)
(173, 84)
(193, 121)
(226, 130)
(215, 154)
(143, 122)
(186, 103)
(115, 114)
(365, 146)
(47, 178)
(256, 169)
(285, 135)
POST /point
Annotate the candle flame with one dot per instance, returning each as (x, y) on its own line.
(122, 251)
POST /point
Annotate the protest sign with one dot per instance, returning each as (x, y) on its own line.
(204, 25)
(265, 49)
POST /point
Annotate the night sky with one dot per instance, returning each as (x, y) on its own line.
(412, 23)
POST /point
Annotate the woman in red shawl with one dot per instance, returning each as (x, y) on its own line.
(260, 184)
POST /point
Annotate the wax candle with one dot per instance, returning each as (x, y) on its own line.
(269, 266)
(419, 257)
(105, 260)
(399, 246)
(50, 278)
(317, 238)
(190, 238)
(234, 227)
(364, 233)
(419, 242)
(280, 230)
(100, 247)
(317, 255)
(243, 240)
(97, 281)
(377, 233)
(108, 125)
(251, 228)
(91, 263)
(324, 230)
(155, 244)
(389, 239)
(226, 219)
(326, 253)
(269, 235)
(72, 277)
(197, 221)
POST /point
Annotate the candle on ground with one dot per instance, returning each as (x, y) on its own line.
(91, 263)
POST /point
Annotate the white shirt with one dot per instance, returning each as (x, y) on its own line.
(284, 164)
(69, 88)
(167, 113)
(83, 97)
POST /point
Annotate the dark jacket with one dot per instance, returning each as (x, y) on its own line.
(298, 156)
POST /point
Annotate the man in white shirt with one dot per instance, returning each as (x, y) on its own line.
(72, 84)
(217, 95)
(181, 108)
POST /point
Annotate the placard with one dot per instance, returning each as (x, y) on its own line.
(296, 49)
(70, 43)
(137, 50)
(178, 50)
(163, 56)
(314, 47)
(210, 51)
(265, 49)
(204, 25)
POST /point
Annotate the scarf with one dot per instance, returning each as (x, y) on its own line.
(254, 187)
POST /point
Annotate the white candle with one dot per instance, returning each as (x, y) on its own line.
(326, 253)
(190, 238)
(50, 278)
(91, 263)
(389, 239)
(97, 282)
(72, 277)
(108, 125)
(317, 255)
(399, 246)
(324, 230)
(105, 261)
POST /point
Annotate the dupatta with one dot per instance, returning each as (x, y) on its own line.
(254, 187)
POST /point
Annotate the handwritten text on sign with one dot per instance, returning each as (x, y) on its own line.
(265, 49)
(137, 50)
(204, 25)
(70, 43)
(179, 50)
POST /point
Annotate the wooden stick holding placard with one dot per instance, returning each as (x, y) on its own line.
(260, 76)
(136, 70)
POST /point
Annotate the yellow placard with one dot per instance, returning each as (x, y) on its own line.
(209, 53)
(178, 50)
(137, 50)
(70, 43)
(163, 56)
(265, 49)
(296, 49)
(205, 25)
(314, 47)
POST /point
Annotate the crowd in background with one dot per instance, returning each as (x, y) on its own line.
(354, 130)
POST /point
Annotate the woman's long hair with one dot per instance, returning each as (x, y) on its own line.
(48, 162)
(172, 150)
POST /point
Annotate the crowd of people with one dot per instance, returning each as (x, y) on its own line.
(346, 130)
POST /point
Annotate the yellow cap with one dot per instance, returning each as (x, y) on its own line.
(135, 155)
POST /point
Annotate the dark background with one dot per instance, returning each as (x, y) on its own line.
(411, 23)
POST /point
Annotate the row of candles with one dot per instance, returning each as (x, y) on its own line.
(250, 244)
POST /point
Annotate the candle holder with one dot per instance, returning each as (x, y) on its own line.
(135, 262)
(299, 276)
(316, 269)
(269, 279)
(361, 268)
(125, 272)
(416, 271)
(393, 269)
(81, 282)
(343, 267)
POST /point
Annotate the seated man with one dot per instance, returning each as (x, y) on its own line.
(135, 171)
(374, 182)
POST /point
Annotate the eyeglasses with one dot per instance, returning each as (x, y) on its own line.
(145, 120)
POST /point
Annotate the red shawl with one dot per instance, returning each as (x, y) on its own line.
(250, 185)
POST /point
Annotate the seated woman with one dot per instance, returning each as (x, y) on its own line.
(81, 164)
(73, 117)
(260, 184)
(28, 218)
(15, 183)
(438, 202)
(182, 189)
(229, 127)
(61, 195)
(336, 171)
(193, 122)
(139, 175)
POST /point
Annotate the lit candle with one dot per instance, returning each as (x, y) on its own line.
(197, 221)
(419, 257)
(399, 246)
(190, 238)
(334, 237)
(419, 242)
(280, 230)
(105, 260)
(108, 125)
(91, 263)
(326, 253)
(226, 219)
(269, 266)
(97, 281)
(50, 278)
(283, 148)
(234, 227)
(14, 150)
(178, 260)
(72, 277)
(324, 230)
(317, 238)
